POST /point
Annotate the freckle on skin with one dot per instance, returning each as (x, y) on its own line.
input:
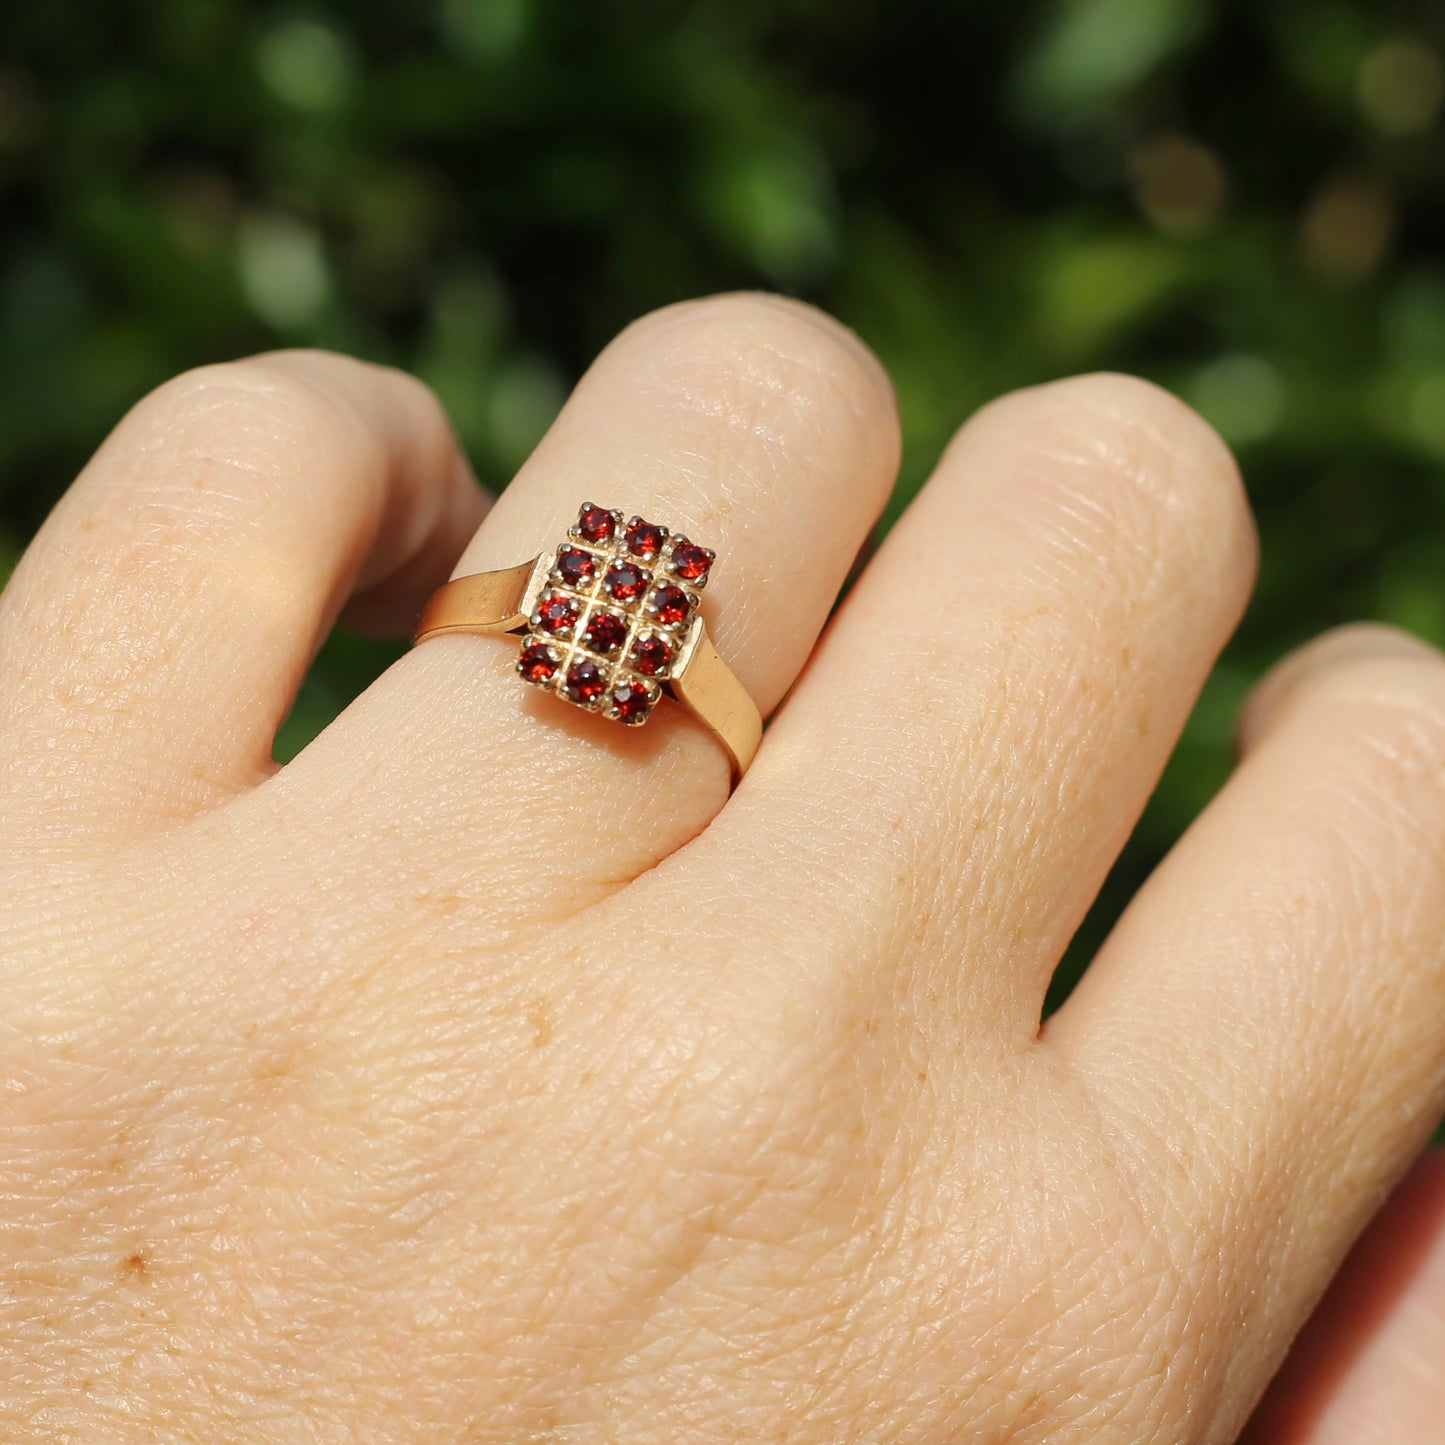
(135, 1265)
(274, 1069)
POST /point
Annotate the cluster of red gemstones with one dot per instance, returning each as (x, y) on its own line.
(606, 631)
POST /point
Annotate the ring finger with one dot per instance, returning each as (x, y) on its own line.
(758, 427)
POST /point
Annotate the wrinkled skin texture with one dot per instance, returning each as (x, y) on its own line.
(490, 1074)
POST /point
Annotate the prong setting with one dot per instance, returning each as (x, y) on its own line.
(609, 627)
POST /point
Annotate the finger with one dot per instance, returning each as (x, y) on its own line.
(1361, 641)
(1270, 1011)
(988, 714)
(154, 635)
(757, 427)
(1369, 1367)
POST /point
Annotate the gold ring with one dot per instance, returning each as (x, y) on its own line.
(610, 623)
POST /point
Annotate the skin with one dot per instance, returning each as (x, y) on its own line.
(490, 1074)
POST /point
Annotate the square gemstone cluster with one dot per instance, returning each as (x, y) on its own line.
(608, 626)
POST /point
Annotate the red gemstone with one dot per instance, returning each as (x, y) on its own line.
(631, 702)
(691, 561)
(538, 662)
(645, 539)
(595, 524)
(670, 605)
(585, 683)
(557, 613)
(652, 655)
(605, 632)
(575, 566)
(626, 580)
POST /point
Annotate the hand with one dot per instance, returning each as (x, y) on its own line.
(489, 1074)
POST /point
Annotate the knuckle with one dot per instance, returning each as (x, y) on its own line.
(1325, 656)
(202, 466)
(1375, 723)
(782, 371)
(241, 414)
(408, 393)
(1396, 701)
(1130, 463)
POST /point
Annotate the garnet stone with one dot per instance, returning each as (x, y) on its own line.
(651, 655)
(645, 539)
(576, 567)
(631, 702)
(609, 624)
(626, 580)
(595, 524)
(585, 683)
(691, 561)
(538, 662)
(670, 605)
(557, 614)
(605, 632)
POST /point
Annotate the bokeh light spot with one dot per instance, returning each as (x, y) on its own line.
(1402, 87)
(283, 270)
(1243, 397)
(1427, 413)
(1179, 184)
(1348, 228)
(306, 63)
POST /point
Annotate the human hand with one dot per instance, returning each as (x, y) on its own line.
(488, 1074)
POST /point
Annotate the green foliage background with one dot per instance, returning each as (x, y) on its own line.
(1241, 200)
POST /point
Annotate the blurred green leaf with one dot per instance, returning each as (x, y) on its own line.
(487, 30)
(1094, 51)
(774, 202)
(1091, 290)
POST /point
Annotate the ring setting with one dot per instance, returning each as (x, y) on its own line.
(610, 621)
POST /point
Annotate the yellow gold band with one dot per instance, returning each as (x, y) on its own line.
(484, 602)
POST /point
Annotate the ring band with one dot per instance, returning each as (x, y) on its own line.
(610, 623)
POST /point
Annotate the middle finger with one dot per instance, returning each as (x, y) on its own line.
(985, 720)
